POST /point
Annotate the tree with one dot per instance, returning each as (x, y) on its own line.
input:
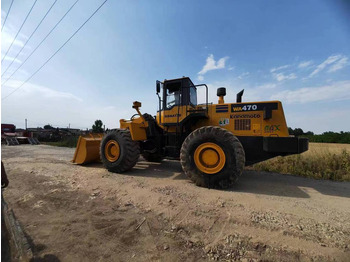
(290, 131)
(48, 126)
(97, 127)
(298, 132)
(309, 133)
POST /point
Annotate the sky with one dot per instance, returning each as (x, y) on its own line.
(296, 52)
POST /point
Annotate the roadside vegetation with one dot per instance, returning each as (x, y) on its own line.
(325, 137)
(69, 141)
(72, 141)
(322, 161)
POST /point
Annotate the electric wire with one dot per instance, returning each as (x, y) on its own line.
(42, 41)
(48, 11)
(7, 16)
(56, 50)
(19, 30)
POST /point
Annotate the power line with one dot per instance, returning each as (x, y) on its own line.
(41, 41)
(19, 30)
(7, 15)
(57, 50)
(29, 37)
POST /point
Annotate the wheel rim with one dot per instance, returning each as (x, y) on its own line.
(112, 150)
(209, 158)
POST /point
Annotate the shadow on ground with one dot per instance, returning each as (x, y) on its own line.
(250, 182)
(288, 185)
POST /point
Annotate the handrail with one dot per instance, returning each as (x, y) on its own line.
(206, 95)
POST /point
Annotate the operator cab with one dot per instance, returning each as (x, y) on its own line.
(178, 102)
(177, 92)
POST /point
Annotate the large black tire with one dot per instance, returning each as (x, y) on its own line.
(129, 151)
(231, 147)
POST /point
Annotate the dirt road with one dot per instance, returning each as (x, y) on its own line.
(154, 213)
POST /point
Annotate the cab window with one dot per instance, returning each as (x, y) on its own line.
(193, 96)
(173, 98)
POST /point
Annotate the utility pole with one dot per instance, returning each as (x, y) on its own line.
(25, 123)
(69, 126)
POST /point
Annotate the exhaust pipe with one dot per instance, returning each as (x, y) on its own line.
(239, 96)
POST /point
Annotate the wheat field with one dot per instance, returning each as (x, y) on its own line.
(321, 161)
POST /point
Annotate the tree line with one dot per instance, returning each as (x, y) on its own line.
(325, 137)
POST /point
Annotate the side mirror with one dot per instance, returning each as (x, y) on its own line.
(158, 86)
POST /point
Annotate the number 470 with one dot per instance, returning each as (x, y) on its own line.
(249, 107)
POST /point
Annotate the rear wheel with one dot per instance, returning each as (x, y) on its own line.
(118, 151)
(212, 157)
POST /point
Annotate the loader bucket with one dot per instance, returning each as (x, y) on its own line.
(88, 149)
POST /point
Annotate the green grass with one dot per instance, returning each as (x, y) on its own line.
(326, 161)
(66, 142)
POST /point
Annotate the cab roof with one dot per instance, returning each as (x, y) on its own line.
(177, 79)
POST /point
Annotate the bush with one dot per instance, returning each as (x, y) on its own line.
(69, 141)
(323, 165)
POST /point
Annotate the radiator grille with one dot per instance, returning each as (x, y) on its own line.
(242, 124)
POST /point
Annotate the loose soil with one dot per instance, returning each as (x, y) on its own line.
(154, 213)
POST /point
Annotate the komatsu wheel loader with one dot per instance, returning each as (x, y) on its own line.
(214, 142)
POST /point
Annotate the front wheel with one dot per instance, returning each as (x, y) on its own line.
(212, 157)
(118, 152)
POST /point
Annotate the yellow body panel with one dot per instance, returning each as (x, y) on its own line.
(174, 115)
(242, 119)
(137, 128)
(88, 149)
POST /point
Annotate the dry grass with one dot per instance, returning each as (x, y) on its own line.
(322, 161)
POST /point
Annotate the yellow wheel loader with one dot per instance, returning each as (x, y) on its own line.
(214, 142)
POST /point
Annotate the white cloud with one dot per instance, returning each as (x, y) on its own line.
(42, 105)
(305, 64)
(231, 68)
(211, 64)
(7, 36)
(200, 78)
(339, 64)
(329, 61)
(279, 68)
(42, 91)
(281, 76)
(16, 60)
(335, 91)
(267, 86)
(243, 75)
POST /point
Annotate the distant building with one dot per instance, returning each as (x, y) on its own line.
(72, 131)
(50, 134)
(8, 128)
